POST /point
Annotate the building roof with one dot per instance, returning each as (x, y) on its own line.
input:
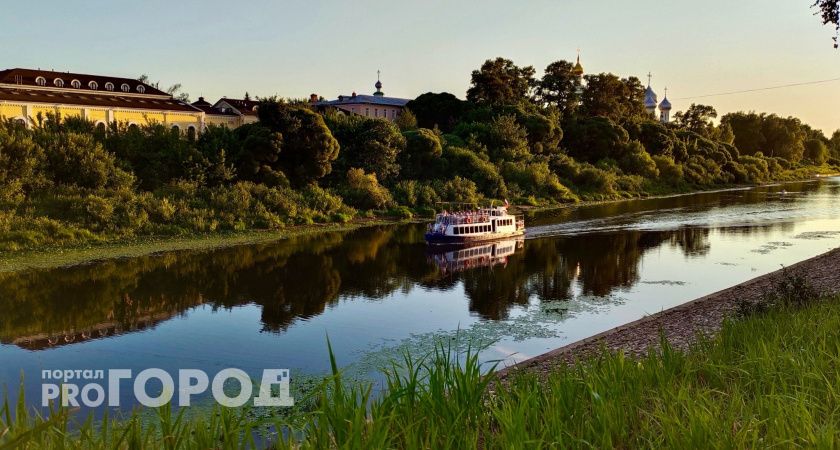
(21, 85)
(364, 99)
(650, 98)
(242, 106)
(29, 77)
(93, 98)
(210, 109)
(665, 105)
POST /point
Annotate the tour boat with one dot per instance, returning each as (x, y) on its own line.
(485, 224)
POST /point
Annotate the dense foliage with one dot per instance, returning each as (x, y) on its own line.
(536, 141)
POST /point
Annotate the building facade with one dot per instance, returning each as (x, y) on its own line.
(28, 96)
(376, 106)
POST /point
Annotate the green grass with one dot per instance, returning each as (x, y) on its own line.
(770, 379)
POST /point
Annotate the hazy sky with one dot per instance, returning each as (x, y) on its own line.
(294, 48)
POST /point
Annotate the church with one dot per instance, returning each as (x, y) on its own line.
(374, 106)
(651, 104)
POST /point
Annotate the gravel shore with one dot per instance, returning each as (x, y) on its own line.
(681, 324)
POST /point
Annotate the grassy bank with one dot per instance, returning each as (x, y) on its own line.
(60, 256)
(768, 379)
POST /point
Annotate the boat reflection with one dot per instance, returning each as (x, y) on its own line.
(458, 258)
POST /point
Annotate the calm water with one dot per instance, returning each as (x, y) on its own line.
(376, 291)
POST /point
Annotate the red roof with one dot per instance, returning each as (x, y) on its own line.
(29, 77)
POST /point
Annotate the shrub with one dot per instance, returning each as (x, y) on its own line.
(669, 171)
(363, 191)
(638, 162)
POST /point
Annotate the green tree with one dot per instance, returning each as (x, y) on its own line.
(406, 120)
(257, 157)
(835, 143)
(746, 128)
(595, 138)
(501, 82)
(697, 119)
(442, 110)
(368, 144)
(309, 147)
(816, 151)
(607, 95)
(558, 87)
(422, 153)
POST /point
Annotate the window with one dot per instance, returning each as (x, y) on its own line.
(455, 230)
(76, 84)
(191, 133)
(41, 81)
(176, 129)
(109, 86)
(141, 89)
(125, 87)
(58, 82)
(93, 85)
(367, 112)
(376, 112)
(100, 127)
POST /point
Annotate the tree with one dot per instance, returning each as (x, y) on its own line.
(595, 138)
(829, 12)
(501, 82)
(697, 119)
(607, 95)
(174, 90)
(422, 149)
(442, 110)
(309, 147)
(368, 144)
(256, 154)
(406, 120)
(835, 144)
(816, 151)
(746, 128)
(558, 87)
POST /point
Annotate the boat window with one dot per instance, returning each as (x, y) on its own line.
(456, 230)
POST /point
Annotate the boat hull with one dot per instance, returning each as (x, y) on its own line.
(442, 239)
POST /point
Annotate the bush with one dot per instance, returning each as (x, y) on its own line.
(363, 191)
(537, 179)
(669, 171)
(638, 162)
(414, 194)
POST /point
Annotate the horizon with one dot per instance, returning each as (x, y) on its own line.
(332, 48)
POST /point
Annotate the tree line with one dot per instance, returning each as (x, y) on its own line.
(540, 141)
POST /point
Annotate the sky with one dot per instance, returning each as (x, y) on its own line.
(218, 48)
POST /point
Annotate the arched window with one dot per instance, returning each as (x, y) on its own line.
(133, 127)
(125, 87)
(176, 129)
(191, 133)
(20, 121)
(58, 82)
(93, 85)
(76, 84)
(100, 127)
(41, 81)
(141, 89)
(109, 86)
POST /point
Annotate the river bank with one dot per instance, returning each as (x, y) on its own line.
(48, 258)
(683, 324)
(142, 246)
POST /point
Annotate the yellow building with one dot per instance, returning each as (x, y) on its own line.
(26, 94)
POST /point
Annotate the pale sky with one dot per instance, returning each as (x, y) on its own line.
(294, 48)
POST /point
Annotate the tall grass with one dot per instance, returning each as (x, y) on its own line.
(771, 379)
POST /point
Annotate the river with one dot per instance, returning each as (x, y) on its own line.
(377, 292)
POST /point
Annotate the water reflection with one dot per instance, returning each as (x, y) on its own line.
(301, 277)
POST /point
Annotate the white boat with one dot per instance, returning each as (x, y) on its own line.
(485, 224)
